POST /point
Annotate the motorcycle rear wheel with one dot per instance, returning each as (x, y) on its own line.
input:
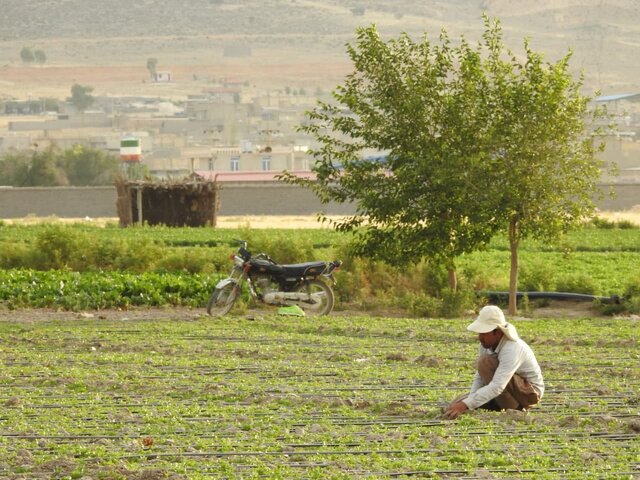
(222, 300)
(320, 289)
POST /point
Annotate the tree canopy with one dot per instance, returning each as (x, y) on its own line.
(470, 141)
(40, 57)
(26, 55)
(81, 96)
(78, 166)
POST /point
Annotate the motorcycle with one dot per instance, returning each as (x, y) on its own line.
(302, 284)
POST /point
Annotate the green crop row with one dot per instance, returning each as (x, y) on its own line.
(101, 290)
(590, 237)
(170, 236)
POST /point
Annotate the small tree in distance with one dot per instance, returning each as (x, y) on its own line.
(40, 57)
(152, 66)
(26, 55)
(81, 96)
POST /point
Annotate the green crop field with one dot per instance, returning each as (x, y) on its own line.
(336, 397)
(77, 266)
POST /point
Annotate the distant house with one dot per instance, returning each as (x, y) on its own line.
(237, 50)
(162, 77)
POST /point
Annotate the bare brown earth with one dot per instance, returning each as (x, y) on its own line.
(112, 80)
(301, 43)
(555, 309)
(274, 221)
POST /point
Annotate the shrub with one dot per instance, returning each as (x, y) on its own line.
(577, 283)
(455, 304)
(139, 257)
(97, 254)
(194, 260)
(422, 305)
(625, 224)
(630, 302)
(449, 305)
(13, 255)
(56, 245)
(602, 223)
(536, 277)
(279, 246)
(632, 290)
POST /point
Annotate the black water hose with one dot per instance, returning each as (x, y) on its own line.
(504, 296)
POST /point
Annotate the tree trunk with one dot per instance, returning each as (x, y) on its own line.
(453, 279)
(513, 277)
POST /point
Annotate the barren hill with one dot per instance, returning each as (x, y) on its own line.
(291, 41)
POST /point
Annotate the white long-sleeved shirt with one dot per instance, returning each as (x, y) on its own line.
(513, 357)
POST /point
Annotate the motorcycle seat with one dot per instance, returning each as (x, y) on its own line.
(265, 266)
(304, 269)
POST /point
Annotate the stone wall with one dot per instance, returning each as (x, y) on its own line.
(237, 199)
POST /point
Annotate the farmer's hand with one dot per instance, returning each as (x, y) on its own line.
(455, 410)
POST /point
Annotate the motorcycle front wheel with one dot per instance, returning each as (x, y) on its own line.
(222, 300)
(320, 291)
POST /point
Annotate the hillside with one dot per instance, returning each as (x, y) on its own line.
(289, 41)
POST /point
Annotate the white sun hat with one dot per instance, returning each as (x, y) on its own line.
(490, 318)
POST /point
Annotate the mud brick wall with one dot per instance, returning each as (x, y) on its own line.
(236, 198)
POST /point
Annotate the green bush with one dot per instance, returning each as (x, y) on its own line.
(56, 246)
(448, 305)
(632, 305)
(422, 305)
(629, 303)
(576, 283)
(13, 254)
(193, 260)
(536, 277)
(602, 223)
(437, 279)
(281, 247)
(625, 224)
(421, 288)
(139, 256)
(632, 290)
(455, 304)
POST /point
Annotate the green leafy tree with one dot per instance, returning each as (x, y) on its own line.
(81, 96)
(31, 169)
(86, 166)
(40, 57)
(79, 166)
(51, 104)
(543, 164)
(475, 142)
(422, 105)
(26, 55)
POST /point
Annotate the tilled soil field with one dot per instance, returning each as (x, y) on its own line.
(156, 394)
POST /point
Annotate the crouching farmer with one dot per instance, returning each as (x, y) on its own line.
(508, 375)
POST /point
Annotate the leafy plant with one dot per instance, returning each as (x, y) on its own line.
(576, 283)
